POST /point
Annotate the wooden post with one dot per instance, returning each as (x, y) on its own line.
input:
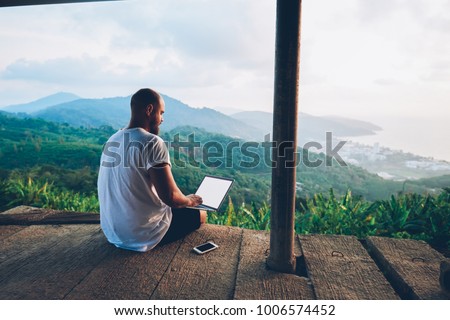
(287, 60)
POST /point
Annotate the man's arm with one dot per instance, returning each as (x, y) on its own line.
(162, 178)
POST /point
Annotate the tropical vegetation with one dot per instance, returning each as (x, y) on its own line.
(50, 165)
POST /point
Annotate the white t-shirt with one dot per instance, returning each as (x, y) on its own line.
(132, 216)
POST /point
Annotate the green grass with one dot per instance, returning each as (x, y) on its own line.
(414, 216)
(42, 194)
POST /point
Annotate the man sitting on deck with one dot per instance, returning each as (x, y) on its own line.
(141, 205)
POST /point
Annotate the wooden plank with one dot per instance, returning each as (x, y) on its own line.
(340, 268)
(7, 231)
(71, 218)
(21, 209)
(255, 282)
(48, 262)
(208, 276)
(24, 215)
(11, 3)
(45, 216)
(411, 266)
(33, 240)
(126, 274)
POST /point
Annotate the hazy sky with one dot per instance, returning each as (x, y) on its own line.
(358, 57)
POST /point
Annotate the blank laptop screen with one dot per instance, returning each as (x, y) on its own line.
(213, 190)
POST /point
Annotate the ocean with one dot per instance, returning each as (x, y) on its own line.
(427, 136)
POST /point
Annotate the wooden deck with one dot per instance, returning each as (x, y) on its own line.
(49, 254)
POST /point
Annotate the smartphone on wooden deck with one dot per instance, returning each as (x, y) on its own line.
(205, 247)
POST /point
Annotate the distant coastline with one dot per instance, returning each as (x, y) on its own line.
(427, 136)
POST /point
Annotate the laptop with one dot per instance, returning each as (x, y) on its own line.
(213, 191)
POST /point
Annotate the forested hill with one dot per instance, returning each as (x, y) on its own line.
(115, 112)
(311, 128)
(251, 125)
(69, 158)
(34, 106)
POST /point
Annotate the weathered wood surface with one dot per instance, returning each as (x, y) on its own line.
(208, 276)
(33, 240)
(126, 274)
(25, 215)
(412, 266)
(255, 282)
(7, 231)
(71, 218)
(24, 209)
(340, 268)
(44, 262)
(74, 261)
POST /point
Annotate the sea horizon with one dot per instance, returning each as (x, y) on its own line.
(423, 136)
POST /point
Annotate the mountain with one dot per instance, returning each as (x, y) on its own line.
(180, 114)
(57, 98)
(248, 125)
(259, 119)
(311, 128)
(89, 112)
(115, 112)
(433, 182)
(228, 110)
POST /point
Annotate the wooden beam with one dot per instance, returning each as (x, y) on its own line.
(255, 282)
(125, 274)
(211, 276)
(16, 3)
(287, 61)
(33, 216)
(340, 268)
(46, 262)
(7, 231)
(411, 266)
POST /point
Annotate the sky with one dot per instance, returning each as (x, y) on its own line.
(359, 58)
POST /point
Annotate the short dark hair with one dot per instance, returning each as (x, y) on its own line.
(143, 97)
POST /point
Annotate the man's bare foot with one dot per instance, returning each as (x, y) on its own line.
(203, 216)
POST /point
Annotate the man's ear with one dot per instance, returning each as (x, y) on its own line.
(149, 109)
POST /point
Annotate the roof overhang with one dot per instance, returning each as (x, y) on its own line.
(14, 3)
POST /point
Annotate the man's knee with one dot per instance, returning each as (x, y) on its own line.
(203, 216)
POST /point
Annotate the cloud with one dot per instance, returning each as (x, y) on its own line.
(65, 70)
(192, 44)
(386, 82)
(237, 32)
(166, 68)
(222, 52)
(200, 83)
(376, 11)
(438, 71)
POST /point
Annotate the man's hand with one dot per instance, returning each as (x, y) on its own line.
(194, 200)
(167, 189)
